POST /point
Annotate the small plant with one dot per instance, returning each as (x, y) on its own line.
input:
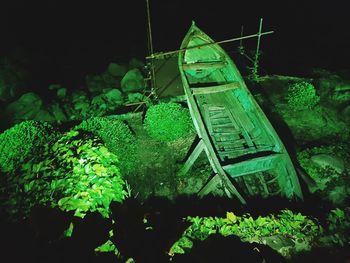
(331, 184)
(22, 140)
(302, 96)
(339, 226)
(168, 122)
(117, 137)
(289, 225)
(78, 174)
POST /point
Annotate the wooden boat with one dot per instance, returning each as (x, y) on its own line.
(243, 148)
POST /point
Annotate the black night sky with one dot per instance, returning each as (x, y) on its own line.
(66, 40)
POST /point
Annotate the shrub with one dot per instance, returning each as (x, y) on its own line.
(302, 96)
(287, 225)
(117, 137)
(330, 183)
(22, 140)
(78, 174)
(168, 122)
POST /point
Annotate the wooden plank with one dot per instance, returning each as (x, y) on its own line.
(215, 89)
(192, 158)
(203, 65)
(255, 165)
(210, 185)
(209, 150)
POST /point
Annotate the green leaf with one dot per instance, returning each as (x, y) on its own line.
(69, 231)
(231, 217)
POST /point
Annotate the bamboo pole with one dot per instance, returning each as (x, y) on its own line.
(150, 46)
(207, 44)
(258, 43)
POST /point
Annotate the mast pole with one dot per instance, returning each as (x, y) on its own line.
(258, 43)
(150, 47)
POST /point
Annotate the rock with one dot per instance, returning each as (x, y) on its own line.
(132, 81)
(135, 97)
(98, 100)
(338, 194)
(44, 115)
(11, 80)
(116, 70)
(25, 108)
(136, 63)
(95, 84)
(57, 112)
(345, 113)
(324, 160)
(79, 95)
(114, 96)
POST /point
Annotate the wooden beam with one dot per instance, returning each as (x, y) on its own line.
(162, 54)
(203, 65)
(210, 185)
(215, 89)
(255, 165)
(192, 158)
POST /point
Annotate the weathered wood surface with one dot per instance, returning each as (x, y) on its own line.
(241, 144)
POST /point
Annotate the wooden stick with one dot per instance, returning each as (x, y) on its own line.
(206, 44)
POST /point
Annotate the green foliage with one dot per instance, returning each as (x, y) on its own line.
(327, 179)
(78, 174)
(117, 137)
(302, 96)
(22, 140)
(339, 226)
(168, 122)
(108, 246)
(287, 224)
(69, 231)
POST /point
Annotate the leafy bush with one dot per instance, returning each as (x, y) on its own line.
(299, 228)
(117, 137)
(168, 122)
(332, 184)
(339, 226)
(22, 140)
(302, 96)
(78, 174)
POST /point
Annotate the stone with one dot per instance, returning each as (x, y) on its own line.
(25, 108)
(58, 113)
(114, 96)
(116, 70)
(44, 115)
(94, 84)
(136, 63)
(11, 82)
(345, 113)
(135, 97)
(132, 81)
(324, 160)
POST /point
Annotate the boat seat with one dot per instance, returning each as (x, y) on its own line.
(214, 89)
(203, 65)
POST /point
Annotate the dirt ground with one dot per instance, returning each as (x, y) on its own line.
(157, 164)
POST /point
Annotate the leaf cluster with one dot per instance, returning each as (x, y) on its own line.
(22, 140)
(78, 174)
(168, 122)
(117, 137)
(326, 178)
(287, 224)
(302, 96)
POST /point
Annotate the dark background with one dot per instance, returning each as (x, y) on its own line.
(63, 41)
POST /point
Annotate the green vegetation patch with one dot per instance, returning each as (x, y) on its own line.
(168, 122)
(264, 230)
(22, 140)
(77, 174)
(117, 137)
(302, 96)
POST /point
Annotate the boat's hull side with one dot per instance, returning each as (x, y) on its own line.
(239, 138)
